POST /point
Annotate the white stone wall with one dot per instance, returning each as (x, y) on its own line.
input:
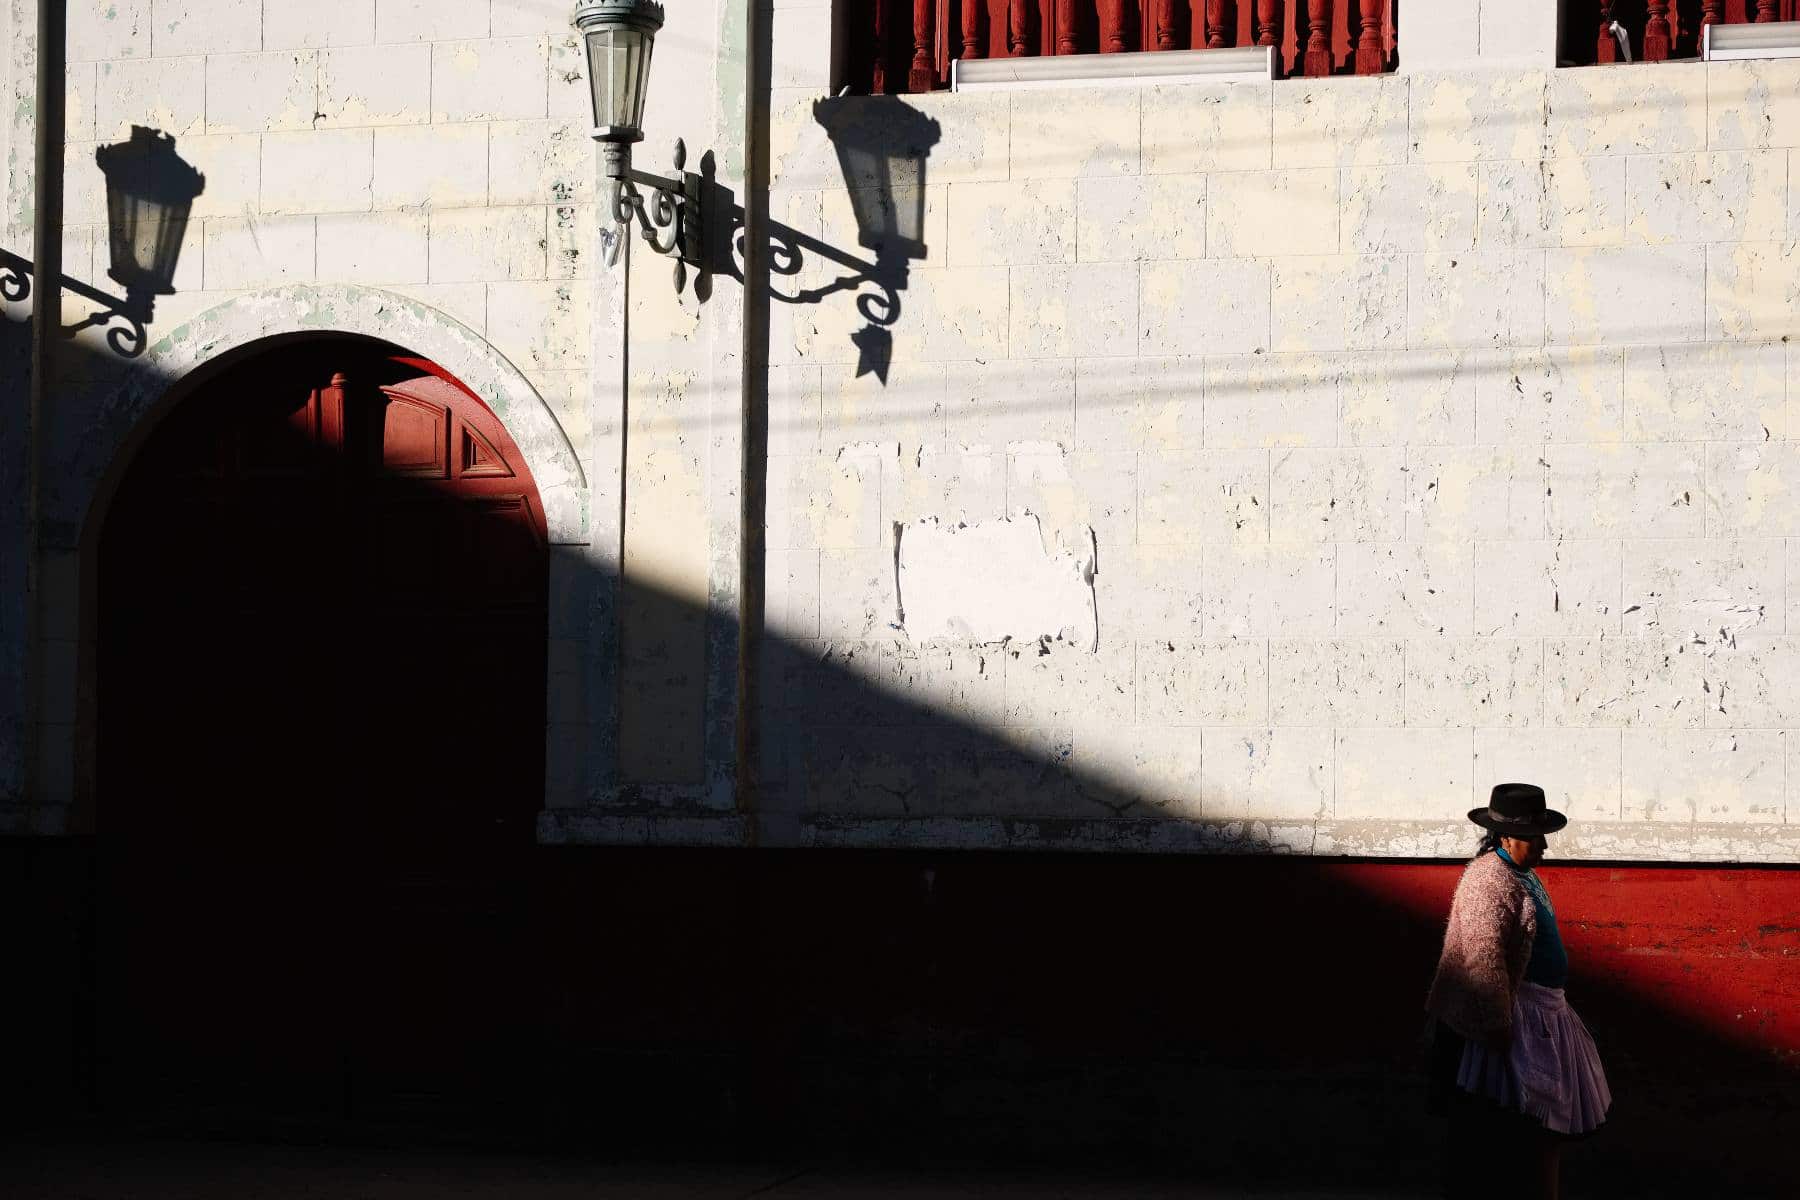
(1406, 433)
(438, 150)
(1422, 432)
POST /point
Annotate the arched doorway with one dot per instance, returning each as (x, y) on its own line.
(320, 733)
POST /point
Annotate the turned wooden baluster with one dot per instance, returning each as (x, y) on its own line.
(1018, 28)
(1216, 31)
(1767, 10)
(1268, 22)
(1065, 26)
(971, 28)
(1318, 39)
(1165, 25)
(878, 83)
(1369, 58)
(923, 76)
(1606, 50)
(1656, 32)
(1712, 12)
(1112, 26)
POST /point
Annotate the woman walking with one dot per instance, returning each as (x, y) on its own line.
(1512, 1065)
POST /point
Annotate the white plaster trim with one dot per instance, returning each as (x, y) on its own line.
(1141, 68)
(1770, 39)
(339, 308)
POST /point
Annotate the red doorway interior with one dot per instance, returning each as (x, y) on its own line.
(320, 747)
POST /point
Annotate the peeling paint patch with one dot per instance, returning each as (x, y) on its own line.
(992, 581)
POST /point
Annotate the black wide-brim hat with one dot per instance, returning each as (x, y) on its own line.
(1518, 810)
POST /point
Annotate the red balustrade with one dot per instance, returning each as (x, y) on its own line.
(1165, 26)
(1065, 27)
(1309, 37)
(1215, 25)
(1112, 27)
(1018, 20)
(1606, 47)
(1656, 30)
(971, 30)
(1370, 56)
(1268, 22)
(1318, 38)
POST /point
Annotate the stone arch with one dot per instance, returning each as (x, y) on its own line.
(88, 467)
(156, 380)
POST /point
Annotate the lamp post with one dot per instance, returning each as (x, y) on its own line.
(619, 36)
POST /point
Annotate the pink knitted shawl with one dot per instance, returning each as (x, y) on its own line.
(1486, 946)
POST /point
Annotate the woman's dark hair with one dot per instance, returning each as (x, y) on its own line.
(1490, 841)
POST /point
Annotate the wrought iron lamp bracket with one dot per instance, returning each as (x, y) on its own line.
(672, 219)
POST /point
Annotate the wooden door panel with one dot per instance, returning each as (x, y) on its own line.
(321, 741)
(414, 437)
(479, 459)
(500, 549)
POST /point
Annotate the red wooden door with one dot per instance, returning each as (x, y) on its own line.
(321, 723)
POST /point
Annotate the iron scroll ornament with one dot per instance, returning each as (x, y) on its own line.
(127, 339)
(673, 221)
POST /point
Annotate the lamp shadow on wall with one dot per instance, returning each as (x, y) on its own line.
(150, 191)
(1252, 1016)
(883, 146)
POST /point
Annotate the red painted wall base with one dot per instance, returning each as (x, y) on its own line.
(1253, 1019)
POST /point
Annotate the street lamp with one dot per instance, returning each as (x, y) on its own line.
(620, 35)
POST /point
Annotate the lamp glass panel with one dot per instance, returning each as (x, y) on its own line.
(617, 66)
(599, 77)
(640, 79)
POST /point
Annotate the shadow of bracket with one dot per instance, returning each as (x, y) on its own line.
(127, 340)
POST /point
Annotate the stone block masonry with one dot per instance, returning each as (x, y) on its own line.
(427, 148)
(1428, 430)
(1410, 431)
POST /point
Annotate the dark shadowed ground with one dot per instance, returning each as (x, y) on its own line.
(198, 1171)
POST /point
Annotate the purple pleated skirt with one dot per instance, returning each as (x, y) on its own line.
(1553, 1072)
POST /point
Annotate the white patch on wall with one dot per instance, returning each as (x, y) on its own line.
(992, 581)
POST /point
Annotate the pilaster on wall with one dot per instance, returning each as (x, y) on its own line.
(667, 407)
